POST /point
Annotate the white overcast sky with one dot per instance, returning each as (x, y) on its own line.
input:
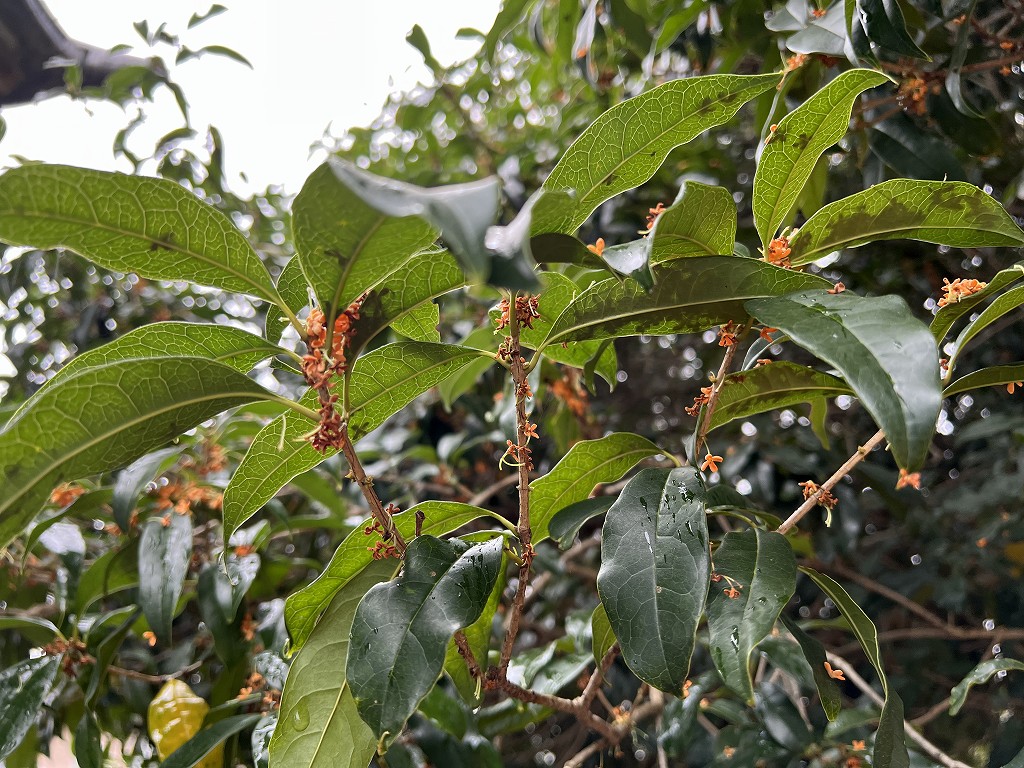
(315, 63)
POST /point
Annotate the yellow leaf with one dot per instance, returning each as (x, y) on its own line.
(176, 714)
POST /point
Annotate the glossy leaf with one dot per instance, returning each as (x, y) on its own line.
(165, 552)
(954, 84)
(626, 145)
(174, 716)
(318, 725)
(111, 572)
(948, 315)
(382, 382)
(691, 295)
(193, 751)
(655, 571)
(701, 222)
(566, 523)
(791, 151)
(900, 144)
(946, 212)
(132, 481)
(986, 377)
(304, 607)
(758, 565)
(882, 23)
(781, 719)
(1003, 305)
(420, 323)
(87, 746)
(587, 463)
(980, 675)
(344, 244)
(890, 750)
(105, 417)
(886, 355)
(153, 227)
(478, 636)
(770, 387)
(601, 633)
(828, 689)
(402, 628)
(826, 35)
(23, 688)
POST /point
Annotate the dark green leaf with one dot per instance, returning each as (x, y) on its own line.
(133, 479)
(691, 295)
(631, 259)
(947, 212)
(153, 227)
(954, 85)
(986, 377)
(781, 719)
(105, 417)
(566, 523)
(417, 38)
(980, 675)
(443, 587)
(1003, 305)
(828, 689)
(701, 222)
(556, 248)
(111, 572)
(22, 690)
(88, 749)
(770, 387)
(947, 316)
(900, 144)
(882, 23)
(587, 463)
(318, 725)
(626, 145)
(884, 353)
(760, 566)
(655, 571)
(204, 742)
(218, 50)
(791, 152)
(601, 632)
(35, 628)
(478, 636)
(164, 555)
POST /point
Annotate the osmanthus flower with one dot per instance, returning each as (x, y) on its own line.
(711, 462)
(953, 292)
(1013, 385)
(597, 248)
(835, 674)
(911, 479)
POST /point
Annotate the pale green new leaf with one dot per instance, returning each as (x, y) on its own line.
(105, 417)
(947, 212)
(978, 676)
(626, 145)
(701, 222)
(153, 227)
(800, 138)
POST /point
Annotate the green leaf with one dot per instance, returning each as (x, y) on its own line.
(691, 295)
(165, 552)
(303, 608)
(890, 749)
(478, 636)
(947, 316)
(462, 213)
(826, 35)
(946, 212)
(828, 689)
(318, 725)
(882, 23)
(760, 565)
(294, 291)
(511, 13)
(626, 145)
(443, 587)
(587, 463)
(111, 572)
(601, 633)
(1003, 305)
(900, 144)
(207, 740)
(701, 222)
(345, 246)
(770, 387)
(986, 377)
(978, 676)
(886, 354)
(566, 523)
(382, 382)
(790, 153)
(132, 481)
(105, 417)
(87, 747)
(655, 571)
(23, 688)
(153, 227)
(35, 628)
(419, 324)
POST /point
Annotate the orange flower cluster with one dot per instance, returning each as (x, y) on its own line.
(572, 394)
(826, 499)
(778, 252)
(652, 216)
(958, 289)
(727, 334)
(382, 549)
(66, 494)
(909, 479)
(257, 683)
(699, 401)
(911, 95)
(517, 455)
(73, 651)
(181, 497)
(795, 62)
(527, 310)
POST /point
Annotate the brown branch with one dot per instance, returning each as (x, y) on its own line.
(146, 678)
(569, 706)
(829, 484)
(462, 644)
(492, 489)
(389, 532)
(881, 589)
(716, 387)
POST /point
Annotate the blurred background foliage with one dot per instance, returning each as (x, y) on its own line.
(939, 570)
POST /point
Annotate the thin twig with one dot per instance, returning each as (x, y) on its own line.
(881, 589)
(389, 531)
(467, 654)
(716, 387)
(146, 678)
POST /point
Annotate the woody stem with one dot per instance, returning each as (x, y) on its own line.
(389, 532)
(709, 407)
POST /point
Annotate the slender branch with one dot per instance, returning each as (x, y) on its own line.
(389, 531)
(569, 706)
(467, 654)
(146, 678)
(829, 484)
(930, 749)
(885, 591)
(716, 387)
(594, 683)
(492, 489)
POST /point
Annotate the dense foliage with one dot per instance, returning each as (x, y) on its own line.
(491, 454)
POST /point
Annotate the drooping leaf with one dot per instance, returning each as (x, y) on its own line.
(193, 751)
(980, 675)
(801, 137)
(382, 382)
(566, 523)
(478, 637)
(303, 608)
(781, 719)
(890, 749)
(153, 227)
(626, 145)
(948, 315)
(111, 572)
(601, 633)
(759, 570)
(655, 571)
(946, 212)
(887, 356)
(828, 689)
(164, 555)
(587, 463)
(881, 22)
(318, 725)
(1003, 305)
(87, 746)
(691, 295)
(133, 479)
(443, 587)
(701, 222)
(986, 377)
(175, 715)
(900, 144)
(345, 245)
(770, 387)
(105, 417)
(954, 83)
(22, 690)
(35, 628)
